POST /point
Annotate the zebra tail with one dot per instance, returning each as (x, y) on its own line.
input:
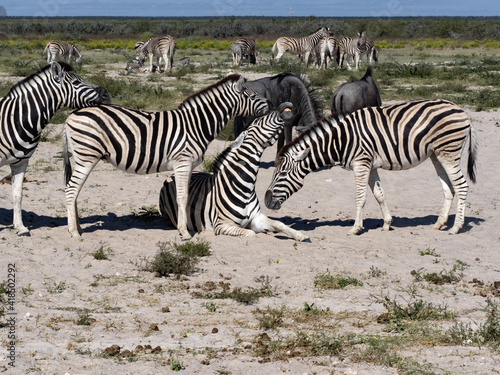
(68, 171)
(471, 163)
(272, 49)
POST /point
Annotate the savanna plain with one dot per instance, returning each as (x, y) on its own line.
(130, 297)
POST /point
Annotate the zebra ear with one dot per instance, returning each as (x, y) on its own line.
(301, 155)
(238, 141)
(56, 71)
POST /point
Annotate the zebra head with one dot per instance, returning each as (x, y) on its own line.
(74, 90)
(141, 51)
(265, 130)
(288, 178)
(361, 43)
(249, 102)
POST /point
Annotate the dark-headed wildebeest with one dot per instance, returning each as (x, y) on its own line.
(351, 96)
(285, 87)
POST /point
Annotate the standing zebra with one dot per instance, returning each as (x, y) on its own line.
(301, 46)
(244, 47)
(226, 201)
(144, 142)
(64, 51)
(370, 51)
(159, 47)
(326, 49)
(349, 47)
(26, 110)
(394, 137)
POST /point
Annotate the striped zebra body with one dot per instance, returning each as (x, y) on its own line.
(370, 51)
(65, 51)
(244, 47)
(394, 137)
(145, 142)
(226, 201)
(26, 110)
(326, 50)
(349, 47)
(159, 47)
(299, 46)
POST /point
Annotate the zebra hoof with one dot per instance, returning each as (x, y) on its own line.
(24, 234)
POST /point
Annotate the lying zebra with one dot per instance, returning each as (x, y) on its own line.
(225, 201)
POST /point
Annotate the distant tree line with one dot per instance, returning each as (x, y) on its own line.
(229, 27)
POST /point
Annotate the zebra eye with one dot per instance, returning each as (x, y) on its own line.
(283, 173)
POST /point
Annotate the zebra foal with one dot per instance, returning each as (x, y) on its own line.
(26, 110)
(159, 47)
(226, 201)
(144, 142)
(65, 51)
(393, 137)
(299, 46)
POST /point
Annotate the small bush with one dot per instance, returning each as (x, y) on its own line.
(329, 281)
(178, 259)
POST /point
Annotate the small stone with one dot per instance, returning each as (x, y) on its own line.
(165, 309)
(215, 330)
(154, 327)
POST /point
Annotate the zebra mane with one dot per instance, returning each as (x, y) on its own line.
(64, 66)
(191, 99)
(333, 118)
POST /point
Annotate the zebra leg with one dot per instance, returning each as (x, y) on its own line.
(361, 176)
(278, 226)
(18, 169)
(378, 193)
(453, 182)
(231, 229)
(182, 173)
(73, 188)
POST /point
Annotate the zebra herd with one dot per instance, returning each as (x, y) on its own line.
(392, 137)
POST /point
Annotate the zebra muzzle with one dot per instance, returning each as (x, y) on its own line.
(270, 202)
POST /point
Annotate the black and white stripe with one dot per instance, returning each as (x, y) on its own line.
(394, 137)
(299, 46)
(145, 142)
(326, 50)
(26, 110)
(58, 50)
(226, 201)
(370, 51)
(244, 48)
(352, 48)
(159, 47)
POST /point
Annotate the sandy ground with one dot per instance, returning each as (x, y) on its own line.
(57, 276)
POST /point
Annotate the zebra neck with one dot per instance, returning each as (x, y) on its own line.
(36, 102)
(324, 144)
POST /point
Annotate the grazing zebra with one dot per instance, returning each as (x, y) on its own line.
(226, 201)
(301, 46)
(159, 47)
(326, 49)
(349, 47)
(26, 110)
(143, 142)
(244, 47)
(393, 137)
(370, 51)
(64, 51)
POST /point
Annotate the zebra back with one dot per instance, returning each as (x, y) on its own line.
(303, 44)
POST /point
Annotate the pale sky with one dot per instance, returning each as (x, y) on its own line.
(189, 8)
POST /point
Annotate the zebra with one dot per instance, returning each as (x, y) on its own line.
(370, 51)
(326, 49)
(349, 47)
(159, 47)
(144, 142)
(26, 110)
(301, 46)
(392, 137)
(244, 47)
(64, 51)
(226, 201)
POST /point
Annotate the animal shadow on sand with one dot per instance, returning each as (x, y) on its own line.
(110, 222)
(305, 225)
